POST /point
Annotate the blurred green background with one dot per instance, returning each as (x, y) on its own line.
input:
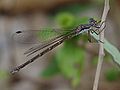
(70, 66)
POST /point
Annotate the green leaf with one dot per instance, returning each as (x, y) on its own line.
(66, 20)
(3, 74)
(95, 60)
(112, 74)
(111, 49)
(70, 59)
(51, 70)
(82, 20)
(74, 8)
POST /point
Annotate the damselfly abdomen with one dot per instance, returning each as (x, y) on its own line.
(49, 39)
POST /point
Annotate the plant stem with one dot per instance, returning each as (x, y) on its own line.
(101, 47)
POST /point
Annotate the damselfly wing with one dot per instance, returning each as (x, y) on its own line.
(37, 36)
(42, 38)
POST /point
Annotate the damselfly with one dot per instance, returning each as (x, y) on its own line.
(51, 41)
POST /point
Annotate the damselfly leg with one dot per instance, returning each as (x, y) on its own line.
(98, 30)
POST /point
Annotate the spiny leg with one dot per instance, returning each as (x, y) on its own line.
(89, 37)
(94, 31)
(100, 24)
(96, 34)
(99, 31)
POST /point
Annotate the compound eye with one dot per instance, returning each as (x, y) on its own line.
(91, 20)
(82, 26)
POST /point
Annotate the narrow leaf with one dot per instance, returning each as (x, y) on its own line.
(111, 49)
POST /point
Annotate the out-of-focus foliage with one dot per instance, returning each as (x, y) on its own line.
(3, 74)
(70, 58)
(66, 20)
(107, 58)
(112, 74)
(51, 70)
(74, 8)
(95, 60)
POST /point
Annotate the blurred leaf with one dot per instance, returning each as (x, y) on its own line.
(82, 20)
(108, 57)
(111, 49)
(66, 20)
(51, 70)
(70, 57)
(99, 2)
(3, 74)
(74, 8)
(95, 60)
(71, 60)
(112, 74)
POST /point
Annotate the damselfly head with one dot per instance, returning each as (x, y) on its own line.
(92, 21)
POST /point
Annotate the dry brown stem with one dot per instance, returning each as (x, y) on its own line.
(101, 47)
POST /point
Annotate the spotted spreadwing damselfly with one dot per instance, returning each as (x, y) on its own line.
(49, 39)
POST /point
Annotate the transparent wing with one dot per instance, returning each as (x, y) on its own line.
(44, 38)
(44, 45)
(37, 36)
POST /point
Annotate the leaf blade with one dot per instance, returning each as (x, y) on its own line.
(111, 49)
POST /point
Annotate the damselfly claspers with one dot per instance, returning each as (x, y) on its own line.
(93, 26)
